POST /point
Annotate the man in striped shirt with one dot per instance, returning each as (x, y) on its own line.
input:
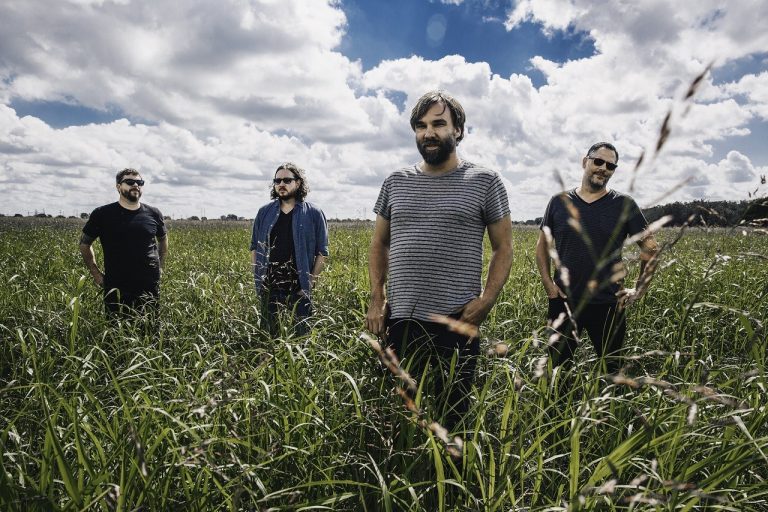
(427, 248)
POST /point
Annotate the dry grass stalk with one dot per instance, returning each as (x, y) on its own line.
(458, 326)
(454, 447)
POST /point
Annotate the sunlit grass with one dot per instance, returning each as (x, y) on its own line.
(210, 413)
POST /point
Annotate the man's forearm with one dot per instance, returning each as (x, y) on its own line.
(378, 265)
(162, 250)
(317, 267)
(543, 261)
(498, 272)
(89, 258)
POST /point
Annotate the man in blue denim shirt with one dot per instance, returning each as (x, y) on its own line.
(289, 245)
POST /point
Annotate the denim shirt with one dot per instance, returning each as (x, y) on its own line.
(310, 239)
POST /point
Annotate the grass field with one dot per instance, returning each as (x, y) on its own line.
(211, 414)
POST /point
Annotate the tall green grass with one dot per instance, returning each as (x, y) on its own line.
(209, 413)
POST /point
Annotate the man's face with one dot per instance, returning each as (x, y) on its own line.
(598, 175)
(131, 191)
(436, 135)
(285, 190)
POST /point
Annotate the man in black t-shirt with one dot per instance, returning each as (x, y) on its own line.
(589, 226)
(134, 242)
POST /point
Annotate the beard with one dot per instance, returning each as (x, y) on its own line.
(445, 147)
(284, 195)
(131, 195)
(598, 183)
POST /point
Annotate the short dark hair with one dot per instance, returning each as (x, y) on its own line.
(608, 145)
(299, 174)
(125, 172)
(427, 100)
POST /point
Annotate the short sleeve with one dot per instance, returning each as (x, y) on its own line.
(496, 204)
(161, 232)
(547, 220)
(636, 222)
(92, 226)
(383, 206)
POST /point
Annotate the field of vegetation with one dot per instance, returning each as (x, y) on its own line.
(209, 413)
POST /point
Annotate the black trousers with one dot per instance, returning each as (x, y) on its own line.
(127, 303)
(428, 346)
(605, 324)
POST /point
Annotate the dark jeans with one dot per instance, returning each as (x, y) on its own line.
(292, 306)
(423, 345)
(605, 324)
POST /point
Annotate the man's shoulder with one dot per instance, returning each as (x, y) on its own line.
(266, 207)
(473, 169)
(403, 172)
(105, 209)
(569, 194)
(615, 194)
(151, 210)
(311, 207)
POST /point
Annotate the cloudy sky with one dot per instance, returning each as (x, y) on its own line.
(207, 97)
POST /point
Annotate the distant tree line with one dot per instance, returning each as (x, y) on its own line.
(752, 212)
(713, 213)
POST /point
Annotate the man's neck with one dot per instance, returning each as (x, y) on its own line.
(287, 204)
(435, 170)
(589, 194)
(129, 205)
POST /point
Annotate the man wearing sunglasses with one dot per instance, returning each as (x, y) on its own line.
(289, 244)
(589, 225)
(134, 242)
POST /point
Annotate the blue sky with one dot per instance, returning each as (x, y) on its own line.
(206, 98)
(395, 29)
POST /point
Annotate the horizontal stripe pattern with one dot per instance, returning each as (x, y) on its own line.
(437, 225)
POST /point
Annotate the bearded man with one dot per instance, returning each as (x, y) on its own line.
(427, 248)
(135, 244)
(589, 225)
(289, 244)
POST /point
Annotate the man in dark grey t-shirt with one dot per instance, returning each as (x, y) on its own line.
(589, 225)
(428, 249)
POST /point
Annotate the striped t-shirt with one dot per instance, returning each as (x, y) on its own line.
(436, 236)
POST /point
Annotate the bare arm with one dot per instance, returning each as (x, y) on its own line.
(86, 250)
(543, 262)
(500, 236)
(316, 269)
(648, 249)
(162, 250)
(378, 265)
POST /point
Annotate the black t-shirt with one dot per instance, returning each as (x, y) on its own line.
(282, 272)
(129, 241)
(606, 222)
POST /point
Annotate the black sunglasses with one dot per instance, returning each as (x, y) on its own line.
(287, 181)
(599, 162)
(131, 182)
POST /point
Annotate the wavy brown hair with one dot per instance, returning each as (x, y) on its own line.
(299, 174)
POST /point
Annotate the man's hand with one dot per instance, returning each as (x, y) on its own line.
(476, 310)
(375, 319)
(98, 278)
(627, 297)
(553, 291)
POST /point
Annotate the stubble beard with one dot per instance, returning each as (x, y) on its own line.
(597, 186)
